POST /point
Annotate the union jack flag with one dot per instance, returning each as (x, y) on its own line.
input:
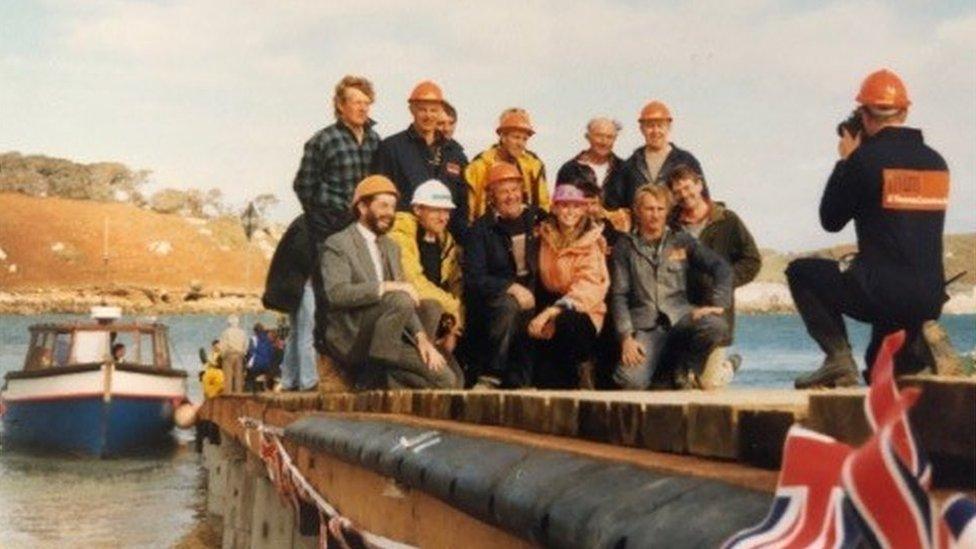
(830, 495)
(957, 523)
(808, 508)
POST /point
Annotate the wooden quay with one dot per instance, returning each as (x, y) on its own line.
(728, 444)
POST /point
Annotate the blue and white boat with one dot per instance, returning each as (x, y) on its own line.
(99, 388)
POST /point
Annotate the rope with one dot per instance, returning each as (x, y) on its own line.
(282, 471)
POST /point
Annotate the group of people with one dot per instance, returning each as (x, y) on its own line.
(412, 267)
(238, 362)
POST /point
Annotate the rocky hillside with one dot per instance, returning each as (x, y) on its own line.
(52, 250)
(769, 293)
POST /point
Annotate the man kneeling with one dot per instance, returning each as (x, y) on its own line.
(654, 319)
(372, 325)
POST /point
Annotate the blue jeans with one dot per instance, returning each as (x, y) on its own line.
(298, 369)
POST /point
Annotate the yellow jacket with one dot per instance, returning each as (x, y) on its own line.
(448, 292)
(533, 174)
(213, 382)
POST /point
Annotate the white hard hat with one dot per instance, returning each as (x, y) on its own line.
(434, 194)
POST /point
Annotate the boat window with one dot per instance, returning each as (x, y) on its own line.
(62, 348)
(146, 349)
(90, 346)
(162, 349)
(42, 351)
(125, 347)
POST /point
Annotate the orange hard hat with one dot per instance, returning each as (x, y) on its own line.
(373, 185)
(515, 120)
(883, 89)
(503, 171)
(426, 91)
(655, 110)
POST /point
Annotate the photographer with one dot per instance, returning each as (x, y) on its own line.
(895, 188)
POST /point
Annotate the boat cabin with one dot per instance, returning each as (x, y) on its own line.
(61, 345)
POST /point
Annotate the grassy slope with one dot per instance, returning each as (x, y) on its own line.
(29, 227)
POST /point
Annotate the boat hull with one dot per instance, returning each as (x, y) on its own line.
(88, 426)
(101, 411)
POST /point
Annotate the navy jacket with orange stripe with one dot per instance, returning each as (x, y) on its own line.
(895, 189)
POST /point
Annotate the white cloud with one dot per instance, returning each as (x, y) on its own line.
(216, 93)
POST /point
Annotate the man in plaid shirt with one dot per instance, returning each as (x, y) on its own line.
(336, 158)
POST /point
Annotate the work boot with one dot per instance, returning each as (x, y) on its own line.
(836, 371)
(719, 370)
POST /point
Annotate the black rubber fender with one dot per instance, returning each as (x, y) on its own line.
(564, 524)
(702, 517)
(523, 497)
(462, 471)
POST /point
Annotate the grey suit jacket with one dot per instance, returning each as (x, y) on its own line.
(351, 285)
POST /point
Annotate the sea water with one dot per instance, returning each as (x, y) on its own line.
(154, 500)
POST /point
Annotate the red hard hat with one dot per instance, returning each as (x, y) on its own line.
(515, 120)
(883, 89)
(503, 171)
(426, 91)
(655, 110)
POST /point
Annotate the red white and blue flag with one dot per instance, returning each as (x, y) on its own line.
(830, 495)
(808, 508)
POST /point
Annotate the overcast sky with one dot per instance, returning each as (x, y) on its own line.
(223, 93)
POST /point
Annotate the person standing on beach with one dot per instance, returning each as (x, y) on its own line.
(895, 189)
(653, 162)
(421, 153)
(336, 158)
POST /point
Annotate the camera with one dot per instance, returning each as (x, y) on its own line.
(852, 124)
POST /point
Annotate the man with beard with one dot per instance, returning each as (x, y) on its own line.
(373, 330)
(501, 264)
(421, 153)
(653, 162)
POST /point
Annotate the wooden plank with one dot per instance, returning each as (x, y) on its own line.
(839, 413)
(664, 427)
(762, 434)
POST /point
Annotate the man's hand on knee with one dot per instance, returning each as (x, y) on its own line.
(429, 354)
(405, 287)
(632, 353)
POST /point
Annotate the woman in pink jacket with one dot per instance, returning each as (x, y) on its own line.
(573, 280)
